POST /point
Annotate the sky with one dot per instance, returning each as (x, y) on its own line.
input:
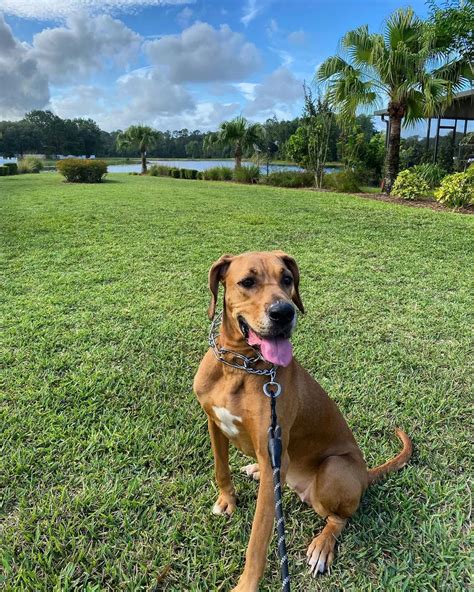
(172, 64)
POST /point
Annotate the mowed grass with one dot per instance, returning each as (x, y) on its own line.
(106, 468)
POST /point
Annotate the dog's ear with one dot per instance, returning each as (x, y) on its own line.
(216, 275)
(293, 267)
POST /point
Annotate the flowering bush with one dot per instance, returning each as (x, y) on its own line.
(409, 185)
(456, 190)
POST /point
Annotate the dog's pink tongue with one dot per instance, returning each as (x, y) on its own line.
(276, 350)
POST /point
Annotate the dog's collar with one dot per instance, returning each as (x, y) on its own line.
(240, 361)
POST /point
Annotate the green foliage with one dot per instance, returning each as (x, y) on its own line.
(12, 168)
(160, 170)
(410, 185)
(247, 174)
(30, 164)
(218, 173)
(344, 182)
(453, 25)
(456, 190)
(200, 175)
(191, 174)
(239, 134)
(78, 170)
(174, 172)
(4, 171)
(430, 172)
(289, 179)
(183, 173)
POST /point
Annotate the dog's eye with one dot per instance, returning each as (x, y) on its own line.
(247, 283)
(287, 280)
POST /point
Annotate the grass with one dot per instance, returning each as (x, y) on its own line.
(106, 468)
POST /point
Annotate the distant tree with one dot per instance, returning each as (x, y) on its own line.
(453, 24)
(89, 136)
(239, 134)
(397, 65)
(140, 138)
(193, 149)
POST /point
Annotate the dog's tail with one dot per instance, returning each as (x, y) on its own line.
(395, 463)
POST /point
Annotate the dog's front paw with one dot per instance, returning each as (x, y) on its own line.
(226, 504)
(252, 471)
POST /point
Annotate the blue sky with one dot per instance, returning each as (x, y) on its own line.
(171, 64)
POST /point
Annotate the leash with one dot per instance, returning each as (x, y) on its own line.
(272, 390)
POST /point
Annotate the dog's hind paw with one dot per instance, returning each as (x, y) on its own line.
(226, 504)
(251, 471)
(320, 554)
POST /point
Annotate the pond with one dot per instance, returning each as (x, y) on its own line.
(199, 165)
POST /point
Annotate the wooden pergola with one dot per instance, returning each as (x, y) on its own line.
(461, 111)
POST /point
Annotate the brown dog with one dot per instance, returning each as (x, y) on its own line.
(321, 460)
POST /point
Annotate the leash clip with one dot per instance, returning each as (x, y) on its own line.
(268, 389)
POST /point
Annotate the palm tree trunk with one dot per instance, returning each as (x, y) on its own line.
(144, 169)
(392, 158)
(238, 156)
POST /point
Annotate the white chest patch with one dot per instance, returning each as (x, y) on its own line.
(226, 421)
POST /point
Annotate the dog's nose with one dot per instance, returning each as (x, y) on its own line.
(281, 312)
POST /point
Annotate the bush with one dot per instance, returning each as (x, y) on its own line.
(174, 173)
(289, 179)
(456, 190)
(4, 171)
(345, 182)
(431, 173)
(30, 164)
(192, 174)
(183, 173)
(78, 170)
(409, 185)
(218, 173)
(160, 170)
(200, 175)
(12, 168)
(247, 174)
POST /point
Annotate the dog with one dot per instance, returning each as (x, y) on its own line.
(321, 460)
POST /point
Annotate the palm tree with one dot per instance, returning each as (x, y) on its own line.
(137, 137)
(238, 133)
(406, 65)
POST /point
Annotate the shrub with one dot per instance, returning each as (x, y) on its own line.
(192, 174)
(174, 173)
(345, 182)
(160, 170)
(247, 174)
(12, 168)
(200, 175)
(431, 173)
(218, 173)
(456, 190)
(183, 173)
(78, 170)
(4, 171)
(289, 179)
(409, 185)
(30, 164)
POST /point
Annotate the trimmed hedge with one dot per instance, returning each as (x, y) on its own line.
(344, 182)
(289, 179)
(12, 168)
(160, 170)
(4, 171)
(78, 170)
(218, 173)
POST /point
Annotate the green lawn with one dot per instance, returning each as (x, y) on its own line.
(106, 470)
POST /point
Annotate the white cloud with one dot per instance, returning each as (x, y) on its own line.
(247, 89)
(83, 46)
(80, 101)
(297, 37)
(23, 86)
(279, 91)
(251, 10)
(285, 57)
(59, 9)
(204, 54)
(185, 16)
(272, 28)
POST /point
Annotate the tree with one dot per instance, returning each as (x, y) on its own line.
(140, 138)
(309, 146)
(453, 24)
(239, 134)
(397, 65)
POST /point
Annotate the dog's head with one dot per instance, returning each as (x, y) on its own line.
(261, 291)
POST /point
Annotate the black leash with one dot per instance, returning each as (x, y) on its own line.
(272, 390)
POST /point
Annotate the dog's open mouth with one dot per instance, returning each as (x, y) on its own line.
(276, 349)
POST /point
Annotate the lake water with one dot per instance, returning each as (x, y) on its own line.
(199, 165)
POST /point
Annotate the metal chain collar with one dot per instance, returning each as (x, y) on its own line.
(242, 362)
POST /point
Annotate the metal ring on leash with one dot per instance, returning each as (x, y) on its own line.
(272, 384)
